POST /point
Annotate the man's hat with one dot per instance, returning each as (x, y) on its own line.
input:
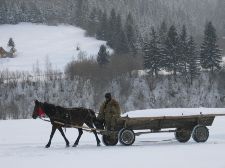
(108, 95)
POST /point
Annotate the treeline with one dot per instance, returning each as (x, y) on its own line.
(120, 33)
(166, 50)
(18, 90)
(146, 13)
(175, 51)
(120, 36)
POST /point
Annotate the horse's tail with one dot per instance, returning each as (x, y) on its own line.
(98, 124)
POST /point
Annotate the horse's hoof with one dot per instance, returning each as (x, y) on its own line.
(74, 145)
(99, 144)
(67, 145)
(47, 146)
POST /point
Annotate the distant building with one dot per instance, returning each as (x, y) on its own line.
(3, 53)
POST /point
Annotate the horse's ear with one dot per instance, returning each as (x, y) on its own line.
(36, 102)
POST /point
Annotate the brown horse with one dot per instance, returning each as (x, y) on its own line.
(67, 116)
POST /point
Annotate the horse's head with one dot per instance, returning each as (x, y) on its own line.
(38, 110)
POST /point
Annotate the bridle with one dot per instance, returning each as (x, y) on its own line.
(40, 112)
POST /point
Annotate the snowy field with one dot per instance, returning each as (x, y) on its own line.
(35, 43)
(22, 145)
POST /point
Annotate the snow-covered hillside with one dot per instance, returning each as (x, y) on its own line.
(132, 93)
(22, 145)
(36, 43)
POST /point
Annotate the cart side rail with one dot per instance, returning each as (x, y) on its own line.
(161, 122)
(174, 117)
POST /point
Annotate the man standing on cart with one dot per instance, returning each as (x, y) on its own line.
(109, 112)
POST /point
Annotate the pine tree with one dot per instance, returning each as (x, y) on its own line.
(130, 33)
(193, 60)
(23, 17)
(92, 22)
(11, 45)
(152, 54)
(210, 53)
(81, 13)
(103, 56)
(163, 32)
(121, 44)
(102, 32)
(112, 31)
(171, 51)
(33, 14)
(183, 44)
(3, 11)
(146, 55)
(120, 39)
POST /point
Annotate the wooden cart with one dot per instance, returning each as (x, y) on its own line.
(183, 127)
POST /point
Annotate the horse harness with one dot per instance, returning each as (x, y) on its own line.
(64, 116)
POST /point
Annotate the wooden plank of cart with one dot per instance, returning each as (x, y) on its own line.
(183, 127)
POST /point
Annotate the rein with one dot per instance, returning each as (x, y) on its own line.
(44, 119)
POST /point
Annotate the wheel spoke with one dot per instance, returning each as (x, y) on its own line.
(110, 140)
(183, 134)
(200, 133)
(126, 137)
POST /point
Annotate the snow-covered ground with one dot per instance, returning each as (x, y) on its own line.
(35, 43)
(22, 145)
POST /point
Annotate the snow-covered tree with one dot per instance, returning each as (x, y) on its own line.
(93, 22)
(130, 33)
(82, 9)
(102, 30)
(193, 59)
(171, 57)
(103, 56)
(183, 49)
(163, 32)
(11, 45)
(152, 54)
(3, 13)
(120, 41)
(112, 28)
(210, 53)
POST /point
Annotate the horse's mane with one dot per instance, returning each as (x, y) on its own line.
(49, 108)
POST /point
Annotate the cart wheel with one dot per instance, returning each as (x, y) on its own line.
(183, 134)
(126, 136)
(200, 133)
(109, 140)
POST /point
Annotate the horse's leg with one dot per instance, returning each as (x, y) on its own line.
(61, 131)
(78, 138)
(51, 136)
(90, 125)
